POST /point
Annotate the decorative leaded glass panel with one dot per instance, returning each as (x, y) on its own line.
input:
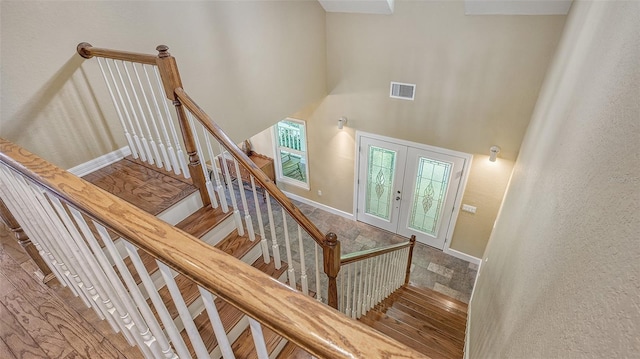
(429, 195)
(382, 166)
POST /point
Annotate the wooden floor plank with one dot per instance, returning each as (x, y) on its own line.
(17, 339)
(46, 335)
(29, 286)
(5, 352)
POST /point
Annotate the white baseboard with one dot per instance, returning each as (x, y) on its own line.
(468, 327)
(321, 206)
(463, 256)
(102, 161)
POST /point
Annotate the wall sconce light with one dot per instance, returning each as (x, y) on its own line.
(341, 121)
(493, 153)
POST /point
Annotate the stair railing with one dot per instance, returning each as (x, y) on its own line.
(70, 220)
(211, 151)
(368, 277)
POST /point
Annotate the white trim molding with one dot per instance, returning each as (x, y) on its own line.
(517, 7)
(99, 162)
(455, 253)
(321, 206)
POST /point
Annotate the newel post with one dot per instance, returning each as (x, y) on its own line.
(171, 81)
(412, 243)
(331, 254)
(25, 242)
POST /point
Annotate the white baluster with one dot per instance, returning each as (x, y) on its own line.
(243, 197)
(216, 323)
(272, 227)
(124, 304)
(318, 293)
(212, 195)
(361, 288)
(347, 309)
(88, 271)
(161, 309)
(127, 135)
(182, 163)
(258, 339)
(263, 238)
(171, 162)
(354, 300)
(216, 176)
(145, 142)
(17, 204)
(138, 299)
(154, 146)
(232, 193)
(341, 279)
(365, 295)
(183, 311)
(291, 270)
(166, 161)
(143, 146)
(303, 267)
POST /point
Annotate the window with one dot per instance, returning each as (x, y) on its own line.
(290, 140)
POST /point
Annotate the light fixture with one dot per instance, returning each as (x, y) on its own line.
(493, 153)
(341, 121)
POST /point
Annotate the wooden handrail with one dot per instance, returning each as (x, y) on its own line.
(369, 253)
(87, 51)
(314, 327)
(244, 161)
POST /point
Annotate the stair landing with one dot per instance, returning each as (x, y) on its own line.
(147, 187)
(422, 319)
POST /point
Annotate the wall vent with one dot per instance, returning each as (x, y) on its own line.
(402, 91)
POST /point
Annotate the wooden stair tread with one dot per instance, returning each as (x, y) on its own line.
(202, 221)
(237, 245)
(292, 351)
(394, 334)
(434, 312)
(270, 268)
(435, 295)
(162, 170)
(426, 302)
(425, 325)
(421, 333)
(439, 322)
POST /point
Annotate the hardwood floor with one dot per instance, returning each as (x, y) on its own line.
(40, 321)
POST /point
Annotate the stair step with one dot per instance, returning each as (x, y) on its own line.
(448, 303)
(443, 326)
(236, 245)
(435, 312)
(292, 351)
(399, 336)
(202, 221)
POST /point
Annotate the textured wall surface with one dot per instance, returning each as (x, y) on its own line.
(561, 271)
(247, 63)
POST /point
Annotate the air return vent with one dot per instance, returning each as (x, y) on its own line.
(402, 91)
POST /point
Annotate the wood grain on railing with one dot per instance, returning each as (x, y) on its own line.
(319, 330)
(412, 245)
(369, 253)
(87, 51)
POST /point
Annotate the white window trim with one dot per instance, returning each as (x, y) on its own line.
(280, 178)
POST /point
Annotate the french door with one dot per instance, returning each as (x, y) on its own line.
(407, 190)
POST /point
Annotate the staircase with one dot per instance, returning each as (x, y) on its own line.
(130, 180)
(423, 319)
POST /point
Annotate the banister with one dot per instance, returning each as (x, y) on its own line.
(319, 330)
(243, 160)
(87, 51)
(374, 252)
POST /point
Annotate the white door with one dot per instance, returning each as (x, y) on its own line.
(408, 190)
(381, 177)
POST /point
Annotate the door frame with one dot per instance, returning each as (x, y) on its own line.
(459, 193)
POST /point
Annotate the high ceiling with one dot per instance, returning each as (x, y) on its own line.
(472, 7)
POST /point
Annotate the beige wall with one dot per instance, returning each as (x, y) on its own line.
(477, 80)
(250, 62)
(560, 277)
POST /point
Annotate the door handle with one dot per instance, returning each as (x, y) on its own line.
(398, 198)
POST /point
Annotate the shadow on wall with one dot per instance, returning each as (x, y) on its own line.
(63, 119)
